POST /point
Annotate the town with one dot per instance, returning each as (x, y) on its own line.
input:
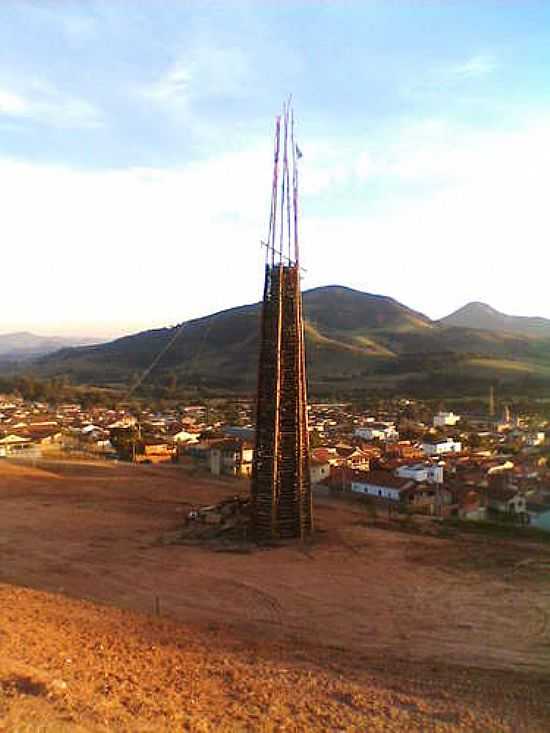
(400, 457)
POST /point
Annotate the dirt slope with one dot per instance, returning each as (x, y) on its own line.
(404, 632)
(75, 666)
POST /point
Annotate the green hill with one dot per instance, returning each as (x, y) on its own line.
(353, 340)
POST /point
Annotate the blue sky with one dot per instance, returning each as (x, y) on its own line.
(135, 143)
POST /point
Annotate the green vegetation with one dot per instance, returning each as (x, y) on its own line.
(501, 530)
(355, 342)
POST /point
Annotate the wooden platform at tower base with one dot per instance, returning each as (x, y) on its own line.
(281, 488)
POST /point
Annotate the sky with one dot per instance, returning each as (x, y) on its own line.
(136, 144)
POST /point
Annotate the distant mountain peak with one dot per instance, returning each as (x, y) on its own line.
(483, 316)
(481, 305)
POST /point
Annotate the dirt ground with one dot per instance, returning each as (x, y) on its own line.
(423, 614)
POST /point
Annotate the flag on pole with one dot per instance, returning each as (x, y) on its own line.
(299, 153)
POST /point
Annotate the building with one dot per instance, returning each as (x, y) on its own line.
(506, 500)
(319, 470)
(231, 457)
(445, 419)
(535, 439)
(377, 431)
(354, 458)
(440, 446)
(154, 451)
(15, 444)
(381, 484)
(429, 472)
(429, 499)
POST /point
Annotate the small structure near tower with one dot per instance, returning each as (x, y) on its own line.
(281, 502)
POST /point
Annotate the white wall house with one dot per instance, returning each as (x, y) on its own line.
(377, 430)
(318, 470)
(445, 419)
(382, 485)
(441, 446)
(534, 439)
(418, 472)
(231, 458)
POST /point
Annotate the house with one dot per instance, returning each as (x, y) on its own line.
(432, 473)
(319, 470)
(154, 451)
(428, 498)
(231, 457)
(354, 458)
(439, 446)
(445, 419)
(44, 438)
(535, 439)
(14, 444)
(381, 484)
(404, 449)
(326, 455)
(377, 431)
(242, 433)
(507, 500)
(199, 452)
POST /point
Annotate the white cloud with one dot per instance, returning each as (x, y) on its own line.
(42, 102)
(12, 104)
(470, 224)
(174, 86)
(479, 65)
(204, 71)
(144, 245)
(154, 246)
(437, 153)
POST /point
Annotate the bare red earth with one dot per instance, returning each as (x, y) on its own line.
(363, 629)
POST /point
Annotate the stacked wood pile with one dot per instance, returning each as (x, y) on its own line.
(281, 490)
(229, 519)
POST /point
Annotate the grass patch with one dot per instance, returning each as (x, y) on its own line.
(501, 530)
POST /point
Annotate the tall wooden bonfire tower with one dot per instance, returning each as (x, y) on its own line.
(281, 487)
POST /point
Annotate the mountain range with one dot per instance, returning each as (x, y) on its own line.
(23, 345)
(354, 340)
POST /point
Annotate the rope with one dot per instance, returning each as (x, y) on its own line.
(155, 361)
(168, 346)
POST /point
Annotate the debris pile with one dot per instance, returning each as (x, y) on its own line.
(229, 519)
